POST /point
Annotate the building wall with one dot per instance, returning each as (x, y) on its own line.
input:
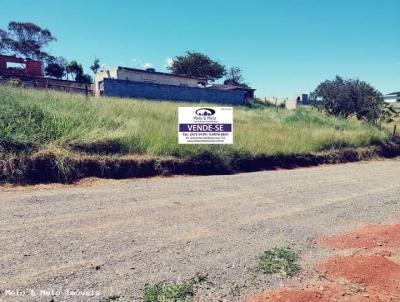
(123, 88)
(111, 73)
(28, 67)
(289, 104)
(54, 84)
(137, 76)
(275, 100)
(34, 68)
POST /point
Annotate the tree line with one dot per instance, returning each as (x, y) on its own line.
(197, 64)
(28, 40)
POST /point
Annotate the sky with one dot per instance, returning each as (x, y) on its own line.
(284, 47)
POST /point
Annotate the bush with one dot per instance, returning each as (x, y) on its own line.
(346, 97)
(14, 82)
(172, 292)
(278, 260)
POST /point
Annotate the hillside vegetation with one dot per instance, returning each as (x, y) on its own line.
(33, 121)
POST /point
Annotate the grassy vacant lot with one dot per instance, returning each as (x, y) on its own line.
(32, 121)
(48, 136)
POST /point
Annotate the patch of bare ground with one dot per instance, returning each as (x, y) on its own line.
(368, 237)
(371, 274)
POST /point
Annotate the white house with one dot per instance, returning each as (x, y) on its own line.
(392, 97)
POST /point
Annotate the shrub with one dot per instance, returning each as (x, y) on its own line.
(278, 260)
(346, 97)
(172, 292)
(14, 82)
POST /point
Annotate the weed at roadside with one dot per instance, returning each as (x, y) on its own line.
(172, 291)
(278, 260)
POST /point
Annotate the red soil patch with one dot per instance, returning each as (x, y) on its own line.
(329, 293)
(290, 296)
(360, 278)
(369, 236)
(378, 274)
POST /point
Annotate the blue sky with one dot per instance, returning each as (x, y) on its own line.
(283, 46)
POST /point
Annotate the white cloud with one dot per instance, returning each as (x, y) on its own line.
(147, 65)
(136, 63)
(168, 62)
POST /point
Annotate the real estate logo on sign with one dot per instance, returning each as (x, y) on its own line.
(205, 125)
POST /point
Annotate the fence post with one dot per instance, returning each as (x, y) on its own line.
(86, 91)
(394, 132)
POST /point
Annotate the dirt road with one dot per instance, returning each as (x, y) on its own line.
(88, 242)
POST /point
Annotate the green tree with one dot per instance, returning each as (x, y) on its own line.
(56, 67)
(346, 97)
(95, 66)
(197, 64)
(54, 70)
(28, 40)
(234, 77)
(75, 69)
(84, 78)
(4, 43)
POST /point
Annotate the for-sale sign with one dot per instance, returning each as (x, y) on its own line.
(205, 125)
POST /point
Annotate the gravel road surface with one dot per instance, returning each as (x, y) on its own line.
(102, 238)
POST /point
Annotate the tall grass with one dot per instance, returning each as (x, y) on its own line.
(32, 120)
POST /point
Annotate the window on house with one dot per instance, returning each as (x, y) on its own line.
(16, 65)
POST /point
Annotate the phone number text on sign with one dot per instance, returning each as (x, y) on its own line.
(205, 125)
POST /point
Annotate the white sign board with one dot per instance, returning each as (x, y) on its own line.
(205, 125)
